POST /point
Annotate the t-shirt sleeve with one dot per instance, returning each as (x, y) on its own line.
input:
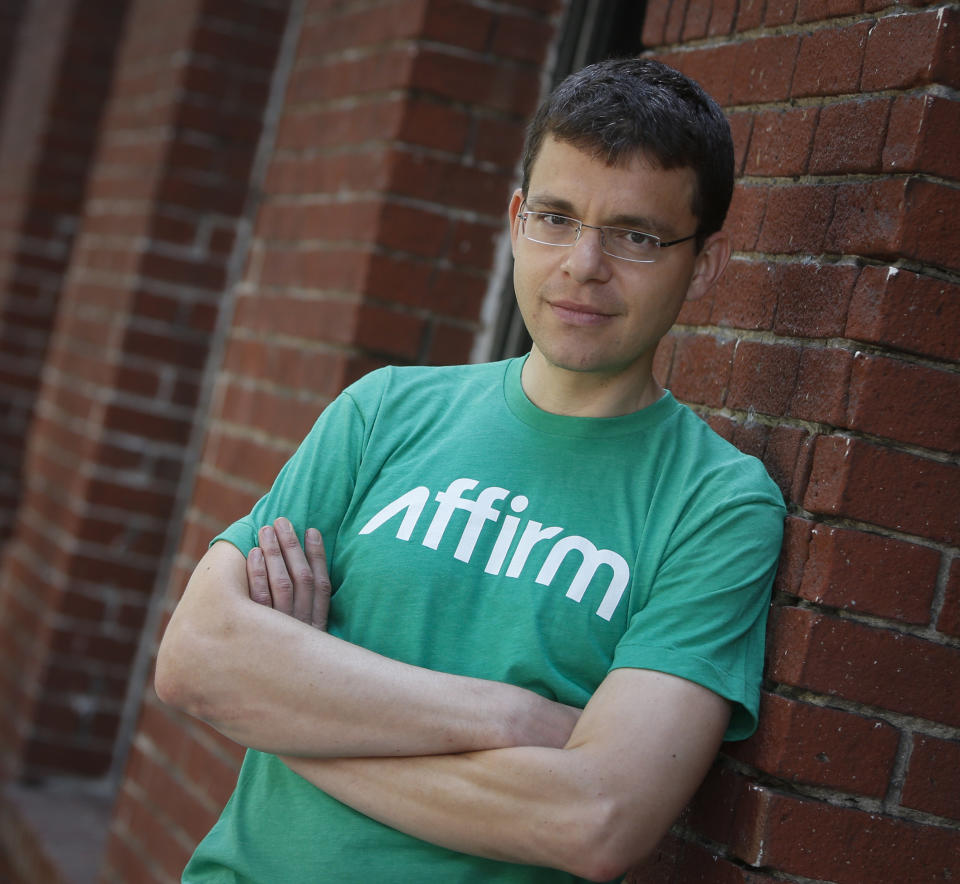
(314, 488)
(704, 618)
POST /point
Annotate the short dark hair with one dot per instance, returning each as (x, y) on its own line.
(619, 108)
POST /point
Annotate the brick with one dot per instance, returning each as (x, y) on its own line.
(345, 29)
(674, 25)
(721, 806)
(348, 77)
(290, 365)
(750, 15)
(486, 83)
(433, 125)
(722, 17)
(815, 840)
(869, 574)
(907, 311)
(868, 218)
(220, 502)
(786, 457)
(921, 136)
(905, 402)
(655, 21)
(389, 331)
(934, 56)
(750, 437)
(764, 69)
(663, 358)
(929, 229)
(449, 344)
(472, 245)
(780, 12)
(949, 620)
(745, 217)
(460, 24)
(272, 411)
(745, 296)
(796, 547)
(341, 270)
(781, 141)
(741, 129)
(696, 22)
(676, 860)
(796, 219)
(858, 480)
(498, 141)
(521, 38)
(696, 311)
(449, 183)
(931, 784)
(881, 668)
(701, 367)
(309, 127)
(815, 745)
(821, 389)
(829, 61)
(821, 10)
(812, 298)
(763, 377)
(850, 137)
(414, 230)
(713, 67)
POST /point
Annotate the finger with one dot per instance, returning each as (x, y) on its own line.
(257, 584)
(298, 568)
(281, 585)
(317, 557)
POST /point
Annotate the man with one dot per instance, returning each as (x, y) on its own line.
(508, 544)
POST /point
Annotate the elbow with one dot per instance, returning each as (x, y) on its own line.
(181, 674)
(612, 845)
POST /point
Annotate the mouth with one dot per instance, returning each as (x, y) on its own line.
(574, 313)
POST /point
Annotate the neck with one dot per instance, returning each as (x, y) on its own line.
(589, 394)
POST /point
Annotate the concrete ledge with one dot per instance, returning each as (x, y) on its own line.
(53, 834)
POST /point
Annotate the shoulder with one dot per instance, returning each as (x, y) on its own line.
(717, 466)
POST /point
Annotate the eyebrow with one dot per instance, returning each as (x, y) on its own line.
(547, 202)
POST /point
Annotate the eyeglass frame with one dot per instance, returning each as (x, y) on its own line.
(660, 244)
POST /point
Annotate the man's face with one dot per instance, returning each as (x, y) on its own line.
(587, 311)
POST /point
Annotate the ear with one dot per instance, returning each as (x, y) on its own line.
(516, 201)
(709, 264)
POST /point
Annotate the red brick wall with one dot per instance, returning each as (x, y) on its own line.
(386, 191)
(831, 351)
(123, 366)
(54, 76)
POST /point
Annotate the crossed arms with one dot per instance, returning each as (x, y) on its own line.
(477, 766)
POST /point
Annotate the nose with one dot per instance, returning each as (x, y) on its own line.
(585, 260)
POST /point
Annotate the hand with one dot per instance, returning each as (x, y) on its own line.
(282, 575)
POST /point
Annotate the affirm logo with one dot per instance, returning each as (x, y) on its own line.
(481, 510)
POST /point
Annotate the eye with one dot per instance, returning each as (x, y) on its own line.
(634, 241)
(554, 220)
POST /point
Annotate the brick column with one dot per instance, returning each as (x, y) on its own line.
(386, 192)
(123, 369)
(830, 350)
(55, 76)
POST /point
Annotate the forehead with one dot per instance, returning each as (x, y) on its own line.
(635, 187)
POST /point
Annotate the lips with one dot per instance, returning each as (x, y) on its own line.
(575, 313)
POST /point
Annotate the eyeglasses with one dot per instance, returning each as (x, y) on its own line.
(551, 229)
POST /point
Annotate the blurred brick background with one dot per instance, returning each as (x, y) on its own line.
(214, 214)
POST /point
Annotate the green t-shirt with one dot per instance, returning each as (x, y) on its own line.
(470, 532)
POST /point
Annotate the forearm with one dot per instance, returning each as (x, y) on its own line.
(594, 808)
(537, 806)
(271, 682)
